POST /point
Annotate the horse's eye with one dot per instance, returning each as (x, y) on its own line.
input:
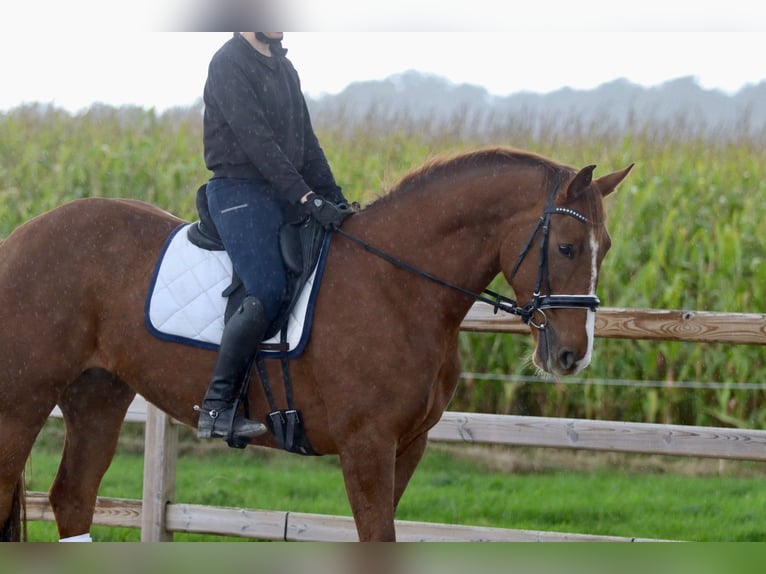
(566, 250)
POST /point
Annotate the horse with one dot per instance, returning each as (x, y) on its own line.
(382, 361)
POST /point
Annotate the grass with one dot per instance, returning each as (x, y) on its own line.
(536, 489)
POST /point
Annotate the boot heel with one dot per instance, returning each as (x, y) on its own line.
(206, 422)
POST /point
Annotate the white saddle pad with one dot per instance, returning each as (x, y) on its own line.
(185, 305)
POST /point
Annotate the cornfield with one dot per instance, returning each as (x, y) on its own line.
(687, 229)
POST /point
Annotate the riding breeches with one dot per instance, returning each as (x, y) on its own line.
(248, 215)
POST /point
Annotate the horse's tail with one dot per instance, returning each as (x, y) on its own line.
(15, 527)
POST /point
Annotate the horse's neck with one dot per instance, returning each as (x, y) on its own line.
(453, 232)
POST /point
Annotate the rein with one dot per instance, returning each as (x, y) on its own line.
(496, 300)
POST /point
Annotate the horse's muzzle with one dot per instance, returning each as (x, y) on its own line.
(559, 357)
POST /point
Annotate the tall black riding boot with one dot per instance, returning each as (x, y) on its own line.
(241, 336)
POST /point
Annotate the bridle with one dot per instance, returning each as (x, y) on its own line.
(500, 302)
(540, 301)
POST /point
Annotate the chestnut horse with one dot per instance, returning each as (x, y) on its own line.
(382, 362)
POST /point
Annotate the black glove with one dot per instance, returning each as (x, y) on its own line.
(331, 193)
(329, 215)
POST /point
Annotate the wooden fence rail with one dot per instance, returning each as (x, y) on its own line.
(286, 526)
(651, 324)
(158, 516)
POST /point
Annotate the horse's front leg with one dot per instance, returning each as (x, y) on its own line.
(368, 462)
(406, 462)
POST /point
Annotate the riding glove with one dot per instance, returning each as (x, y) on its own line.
(329, 215)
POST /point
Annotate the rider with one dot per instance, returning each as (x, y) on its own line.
(263, 152)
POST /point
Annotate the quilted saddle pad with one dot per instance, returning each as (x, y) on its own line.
(185, 302)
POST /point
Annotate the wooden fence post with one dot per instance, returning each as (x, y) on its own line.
(160, 442)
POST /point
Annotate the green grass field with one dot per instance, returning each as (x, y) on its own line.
(536, 489)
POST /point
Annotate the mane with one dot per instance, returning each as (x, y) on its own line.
(443, 168)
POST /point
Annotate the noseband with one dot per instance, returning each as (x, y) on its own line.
(501, 302)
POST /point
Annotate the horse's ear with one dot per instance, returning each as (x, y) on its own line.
(608, 183)
(580, 182)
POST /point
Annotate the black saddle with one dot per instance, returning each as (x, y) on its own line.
(203, 233)
(300, 243)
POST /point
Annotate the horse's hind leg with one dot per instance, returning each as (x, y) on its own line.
(19, 427)
(93, 408)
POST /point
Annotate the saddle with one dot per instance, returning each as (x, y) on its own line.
(300, 243)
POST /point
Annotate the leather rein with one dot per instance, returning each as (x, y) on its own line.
(501, 302)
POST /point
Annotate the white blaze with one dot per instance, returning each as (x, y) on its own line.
(590, 322)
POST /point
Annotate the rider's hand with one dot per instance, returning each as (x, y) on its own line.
(329, 215)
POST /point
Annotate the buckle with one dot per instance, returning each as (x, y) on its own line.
(213, 413)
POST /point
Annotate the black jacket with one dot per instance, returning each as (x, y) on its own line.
(257, 125)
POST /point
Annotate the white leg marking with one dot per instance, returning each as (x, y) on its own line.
(79, 538)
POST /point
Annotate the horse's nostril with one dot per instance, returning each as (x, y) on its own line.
(567, 359)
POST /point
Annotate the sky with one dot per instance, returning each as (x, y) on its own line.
(83, 52)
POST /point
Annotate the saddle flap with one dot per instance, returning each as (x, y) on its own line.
(290, 247)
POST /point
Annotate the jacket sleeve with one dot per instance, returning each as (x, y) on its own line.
(238, 103)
